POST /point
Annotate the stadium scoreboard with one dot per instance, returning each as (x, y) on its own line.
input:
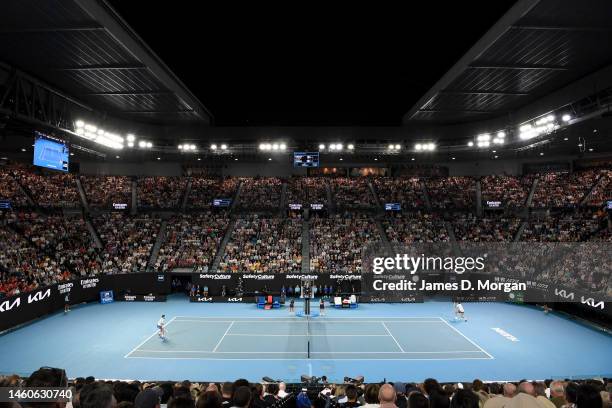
(393, 207)
(306, 159)
(50, 153)
(222, 202)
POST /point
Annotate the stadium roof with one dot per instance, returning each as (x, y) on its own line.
(85, 49)
(536, 47)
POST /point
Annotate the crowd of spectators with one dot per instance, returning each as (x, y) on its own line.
(511, 191)
(337, 242)
(264, 245)
(602, 192)
(161, 192)
(204, 190)
(89, 393)
(451, 192)
(307, 190)
(127, 241)
(103, 191)
(351, 192)
(260, 193)
(468, 227)
(45, 249)
(406, 191)
(50, 190)
(407, 228)
(562, 227)
(191, 241)
(9, 188)
(563, 189)
(38, 250)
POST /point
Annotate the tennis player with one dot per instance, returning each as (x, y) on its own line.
(161, 326)
(459, 311)
(321, 307)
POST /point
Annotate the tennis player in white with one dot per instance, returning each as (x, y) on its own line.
(161, 326)
(459, 311)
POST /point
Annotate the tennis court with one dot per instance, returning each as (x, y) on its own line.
(290, 338)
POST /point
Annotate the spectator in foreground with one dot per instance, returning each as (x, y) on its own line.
(498, 401)
(588, 397)
(464, 399)
(226, 394)
(370, 395)
(210, 399)
(242, 397)
(417, 400)
(97, 395)
(148, 398)
(557, 393)
(540, 391)
(386, 396)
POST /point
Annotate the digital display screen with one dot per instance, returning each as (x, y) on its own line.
(493, 204)
(609, 205)
(120, 206)
(50, 153)
(5, 205)
(393, 207)
(106, 296)
(316, 206)
(295, 206)
(222, 202)
(306, 159)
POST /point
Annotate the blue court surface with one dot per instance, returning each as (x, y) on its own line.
(407, 342)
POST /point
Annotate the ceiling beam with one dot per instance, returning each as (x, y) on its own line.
(485, 65)
(127, 38)
(129, 93)
(98, 67)
(62, 29)
(516, 12)
(480, 112)
(481, 92)
(559, 28)
(149, 112)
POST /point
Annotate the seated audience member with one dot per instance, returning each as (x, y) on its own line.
(387, 396)
(148, 398)
(211, 399)
(498, 401)
(352, 395)
(588, 397)
(540, 392)
(557, 393)
(370, 396)
(417, 400)
(241, 397)
(227, 389)
(97, 395)
(464, 399)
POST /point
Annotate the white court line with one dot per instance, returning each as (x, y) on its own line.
(392, 336)
(272, 320)
(307, 335)
(467, 338)
(327, 318)
(224, 334)
(147, 339)
(311, 359)
(317, 352)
